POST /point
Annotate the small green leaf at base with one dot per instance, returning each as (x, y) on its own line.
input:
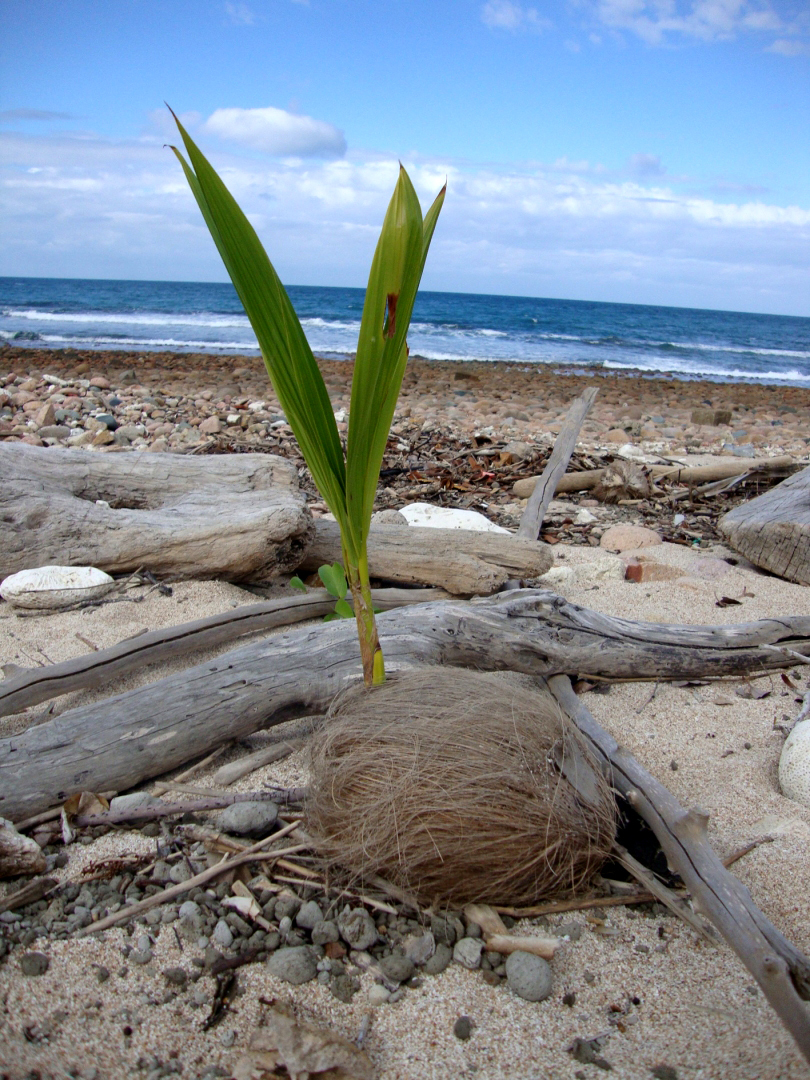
(344, 609)
(297, 583)
(334, 579)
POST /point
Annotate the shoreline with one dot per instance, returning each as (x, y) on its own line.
(583, 369)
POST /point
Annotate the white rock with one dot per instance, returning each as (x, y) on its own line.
(55, 586)
(444, 517)
(557, 575)
(794, 764)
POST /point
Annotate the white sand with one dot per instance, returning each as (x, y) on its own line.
(698, 1010)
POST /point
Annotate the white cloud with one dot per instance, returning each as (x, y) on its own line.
(89, 206)
(789, 47)
(659, 22)
(276, 131)
(506, 15)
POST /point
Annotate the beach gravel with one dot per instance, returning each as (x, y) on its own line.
(296, 965)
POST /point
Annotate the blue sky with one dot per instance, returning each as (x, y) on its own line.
(647, 151)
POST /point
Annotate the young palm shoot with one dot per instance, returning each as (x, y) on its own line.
(347, 483)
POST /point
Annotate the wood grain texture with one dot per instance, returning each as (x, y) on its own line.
(122, 740)
(238, 517)
(773, 530)
(460, 561)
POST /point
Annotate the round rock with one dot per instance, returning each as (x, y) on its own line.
(397, 968)
(297, 965)
(34, 963)
(222, 935)
(528, 976)
(249, 818)
(628, 538)
(440, 959)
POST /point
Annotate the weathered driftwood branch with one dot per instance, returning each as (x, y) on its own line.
(547, 484)
(773, 530)
(463, 562)
(34, 685)
(677, 474)
(779, 967)
(240, 517)
(116, 743)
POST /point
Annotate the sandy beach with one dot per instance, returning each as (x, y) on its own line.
(663, 1002)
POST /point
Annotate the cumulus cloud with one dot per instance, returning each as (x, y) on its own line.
(10, 116)
(506, 15)
(278, 132)
(661, 21)
(90, 206)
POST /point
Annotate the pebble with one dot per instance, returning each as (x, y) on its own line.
(249, 818)
(175, 976)
(222, 935)
(628, 538)
(420, 947)
(463, 1028)
(344, 987)
(140, 956)
(34, 963)
(378, 995)
(440, 959)
(325, 932)
(309, 915)
(357, 928)
(528, 976)
(297, 965)
(397, 968)
(467, 952)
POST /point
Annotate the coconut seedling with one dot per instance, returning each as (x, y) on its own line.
(347, 481)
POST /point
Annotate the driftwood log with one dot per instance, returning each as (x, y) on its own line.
(238, 517)
(548, 482)
(116, 743)
(773, 530)
(780, 969)
(462, 562)
(587, 479)
(34, 685)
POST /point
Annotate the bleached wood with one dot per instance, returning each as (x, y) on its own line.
(463, 562)
(773, 530)
(238, 517)
(548, 483)
(122, 740)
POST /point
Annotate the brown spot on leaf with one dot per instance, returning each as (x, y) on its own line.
(391, 319)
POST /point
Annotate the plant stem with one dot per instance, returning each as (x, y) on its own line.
(370, 651)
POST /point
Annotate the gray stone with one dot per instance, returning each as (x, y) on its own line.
(222, 935)
(420, 947)
(135, 800)
(54, 431)
(463, 1028)
(34, 963)
(287, 907)
(140, 956)
(467, 952)
(309, 915)
(325, 932)
(249, 818)
(388, 517)
(378, 995)
(357, 928)
(179, 873)
(297, 965)
(344, 987)
(440, 959)
(397, 968)
(175, 976)
(446, 928)
(528, 976)
(571, 930)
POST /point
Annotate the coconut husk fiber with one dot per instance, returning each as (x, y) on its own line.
(448, 783)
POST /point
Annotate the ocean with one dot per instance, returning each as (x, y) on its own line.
(571, 335)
